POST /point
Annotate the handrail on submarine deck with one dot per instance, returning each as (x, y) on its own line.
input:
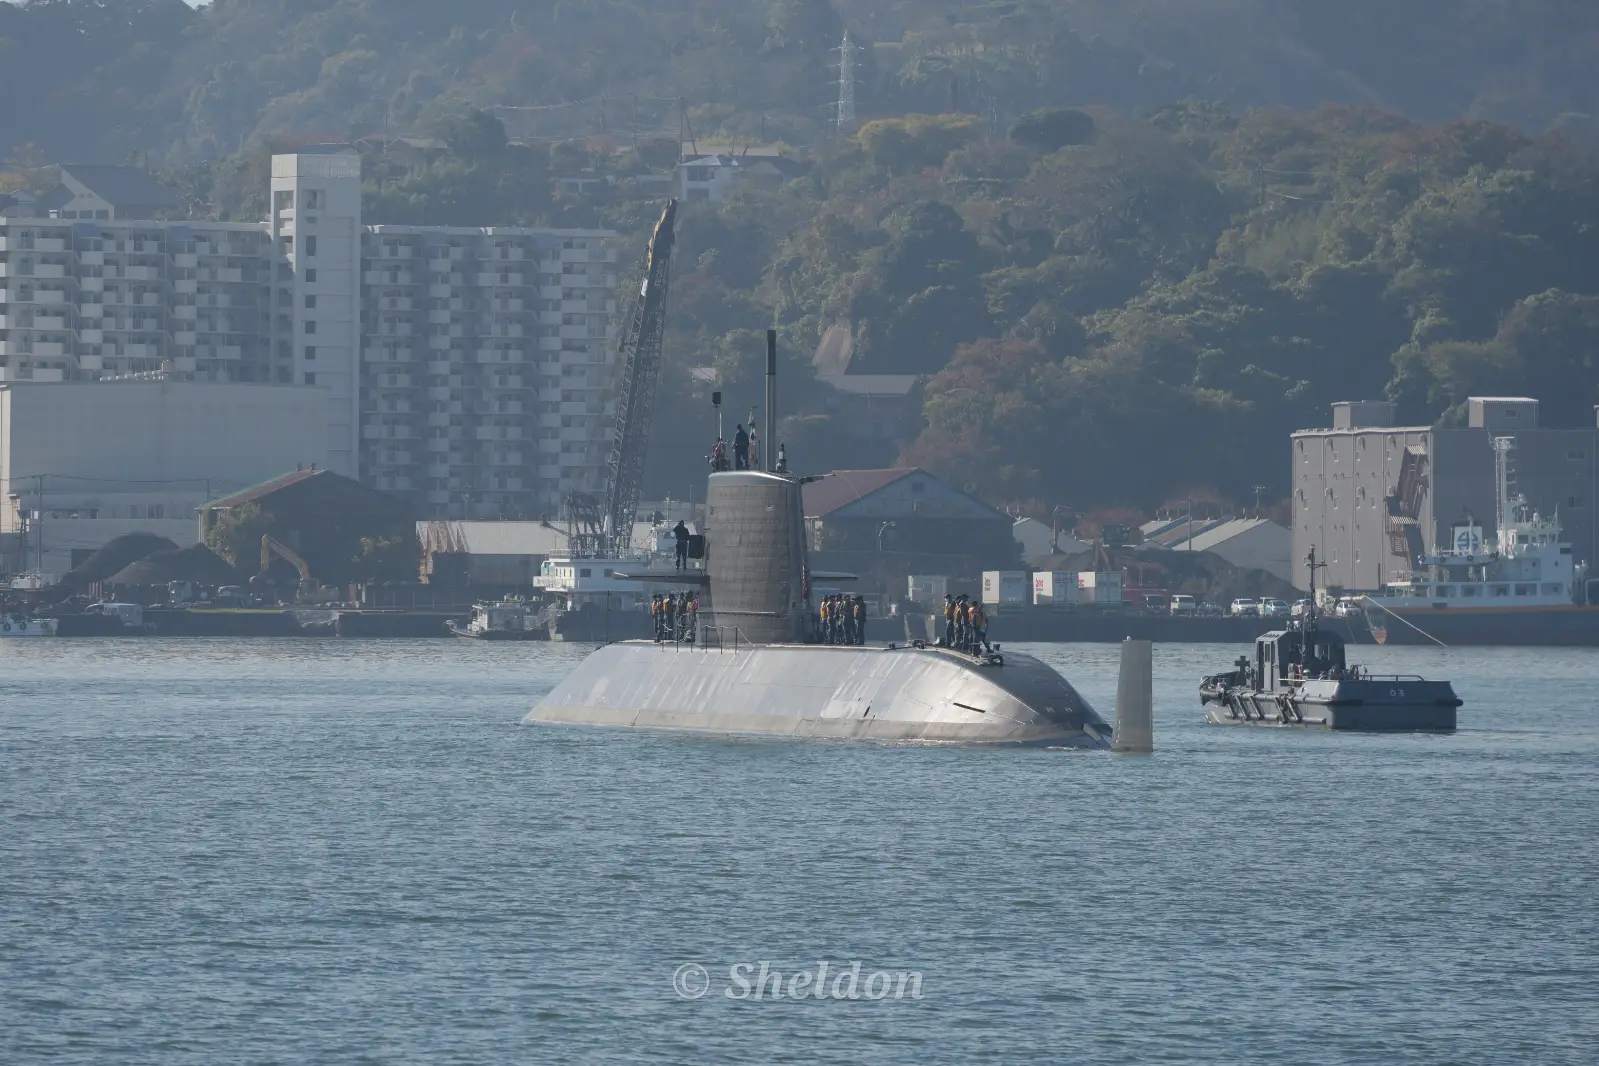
(705, 642)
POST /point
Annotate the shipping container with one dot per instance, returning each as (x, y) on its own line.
(927, 588)
(1006, 587)
(1103, 588)
(1055, 587)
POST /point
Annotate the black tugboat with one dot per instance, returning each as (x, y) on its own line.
(1300, 677)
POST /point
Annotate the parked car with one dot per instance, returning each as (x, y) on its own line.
(1244, 607)
(1209, 610)
(1301, 608)
(1181, 604)
(1270, 608)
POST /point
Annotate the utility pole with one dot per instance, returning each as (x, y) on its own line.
(1258, 490)
(40, 523)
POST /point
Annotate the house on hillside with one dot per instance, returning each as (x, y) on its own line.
(711, 177)
(97, 192)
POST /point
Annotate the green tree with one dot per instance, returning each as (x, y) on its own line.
(236, 535)
(1051, 130)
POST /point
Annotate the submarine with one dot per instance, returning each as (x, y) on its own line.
(754, 666)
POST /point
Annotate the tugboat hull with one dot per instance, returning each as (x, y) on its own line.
(1399, 705)
(899, 695)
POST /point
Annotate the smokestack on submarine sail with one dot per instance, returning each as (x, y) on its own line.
(1135, 700)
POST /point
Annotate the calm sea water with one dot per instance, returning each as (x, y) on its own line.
(338, 851)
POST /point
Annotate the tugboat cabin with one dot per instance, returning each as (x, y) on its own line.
(1287, 657)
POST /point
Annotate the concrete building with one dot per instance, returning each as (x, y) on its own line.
(486, 360)
(80, 301)
(316, 231)
(83, 463)
(1371, 496)
(465, 369)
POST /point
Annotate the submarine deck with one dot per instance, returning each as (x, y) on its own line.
(879, 693)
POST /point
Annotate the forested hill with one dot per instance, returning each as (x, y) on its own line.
(100, 80)
(1125, 279)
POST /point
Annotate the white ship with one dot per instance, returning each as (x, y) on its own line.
(1524, 588)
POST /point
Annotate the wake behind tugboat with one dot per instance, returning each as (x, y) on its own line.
(1301, 677)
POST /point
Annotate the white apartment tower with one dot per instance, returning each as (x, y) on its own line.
(486, 366)
(316, 227)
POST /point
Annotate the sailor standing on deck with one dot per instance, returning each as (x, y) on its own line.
(962, 623)
(668, 617)
(979, 629)
(655, 614)
(949, 621)
(680, 531)
(741, 449)
(860, 619)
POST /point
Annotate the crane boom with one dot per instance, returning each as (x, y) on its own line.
(639, 356)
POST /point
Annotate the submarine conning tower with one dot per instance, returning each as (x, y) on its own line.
(755, 555)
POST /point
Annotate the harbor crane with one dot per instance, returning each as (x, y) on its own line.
(602, 526)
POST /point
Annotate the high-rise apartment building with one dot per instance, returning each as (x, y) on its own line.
(316, 230)
(486, 364)
(92, 299)
(467, 369)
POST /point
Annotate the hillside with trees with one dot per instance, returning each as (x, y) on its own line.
(1132, 244)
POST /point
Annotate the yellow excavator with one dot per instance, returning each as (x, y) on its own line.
(271, 546)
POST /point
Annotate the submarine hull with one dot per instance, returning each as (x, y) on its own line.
(919, 695)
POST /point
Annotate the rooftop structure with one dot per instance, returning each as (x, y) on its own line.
(106, 193)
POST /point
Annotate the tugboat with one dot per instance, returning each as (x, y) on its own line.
(1300, 677)
(502, 620)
